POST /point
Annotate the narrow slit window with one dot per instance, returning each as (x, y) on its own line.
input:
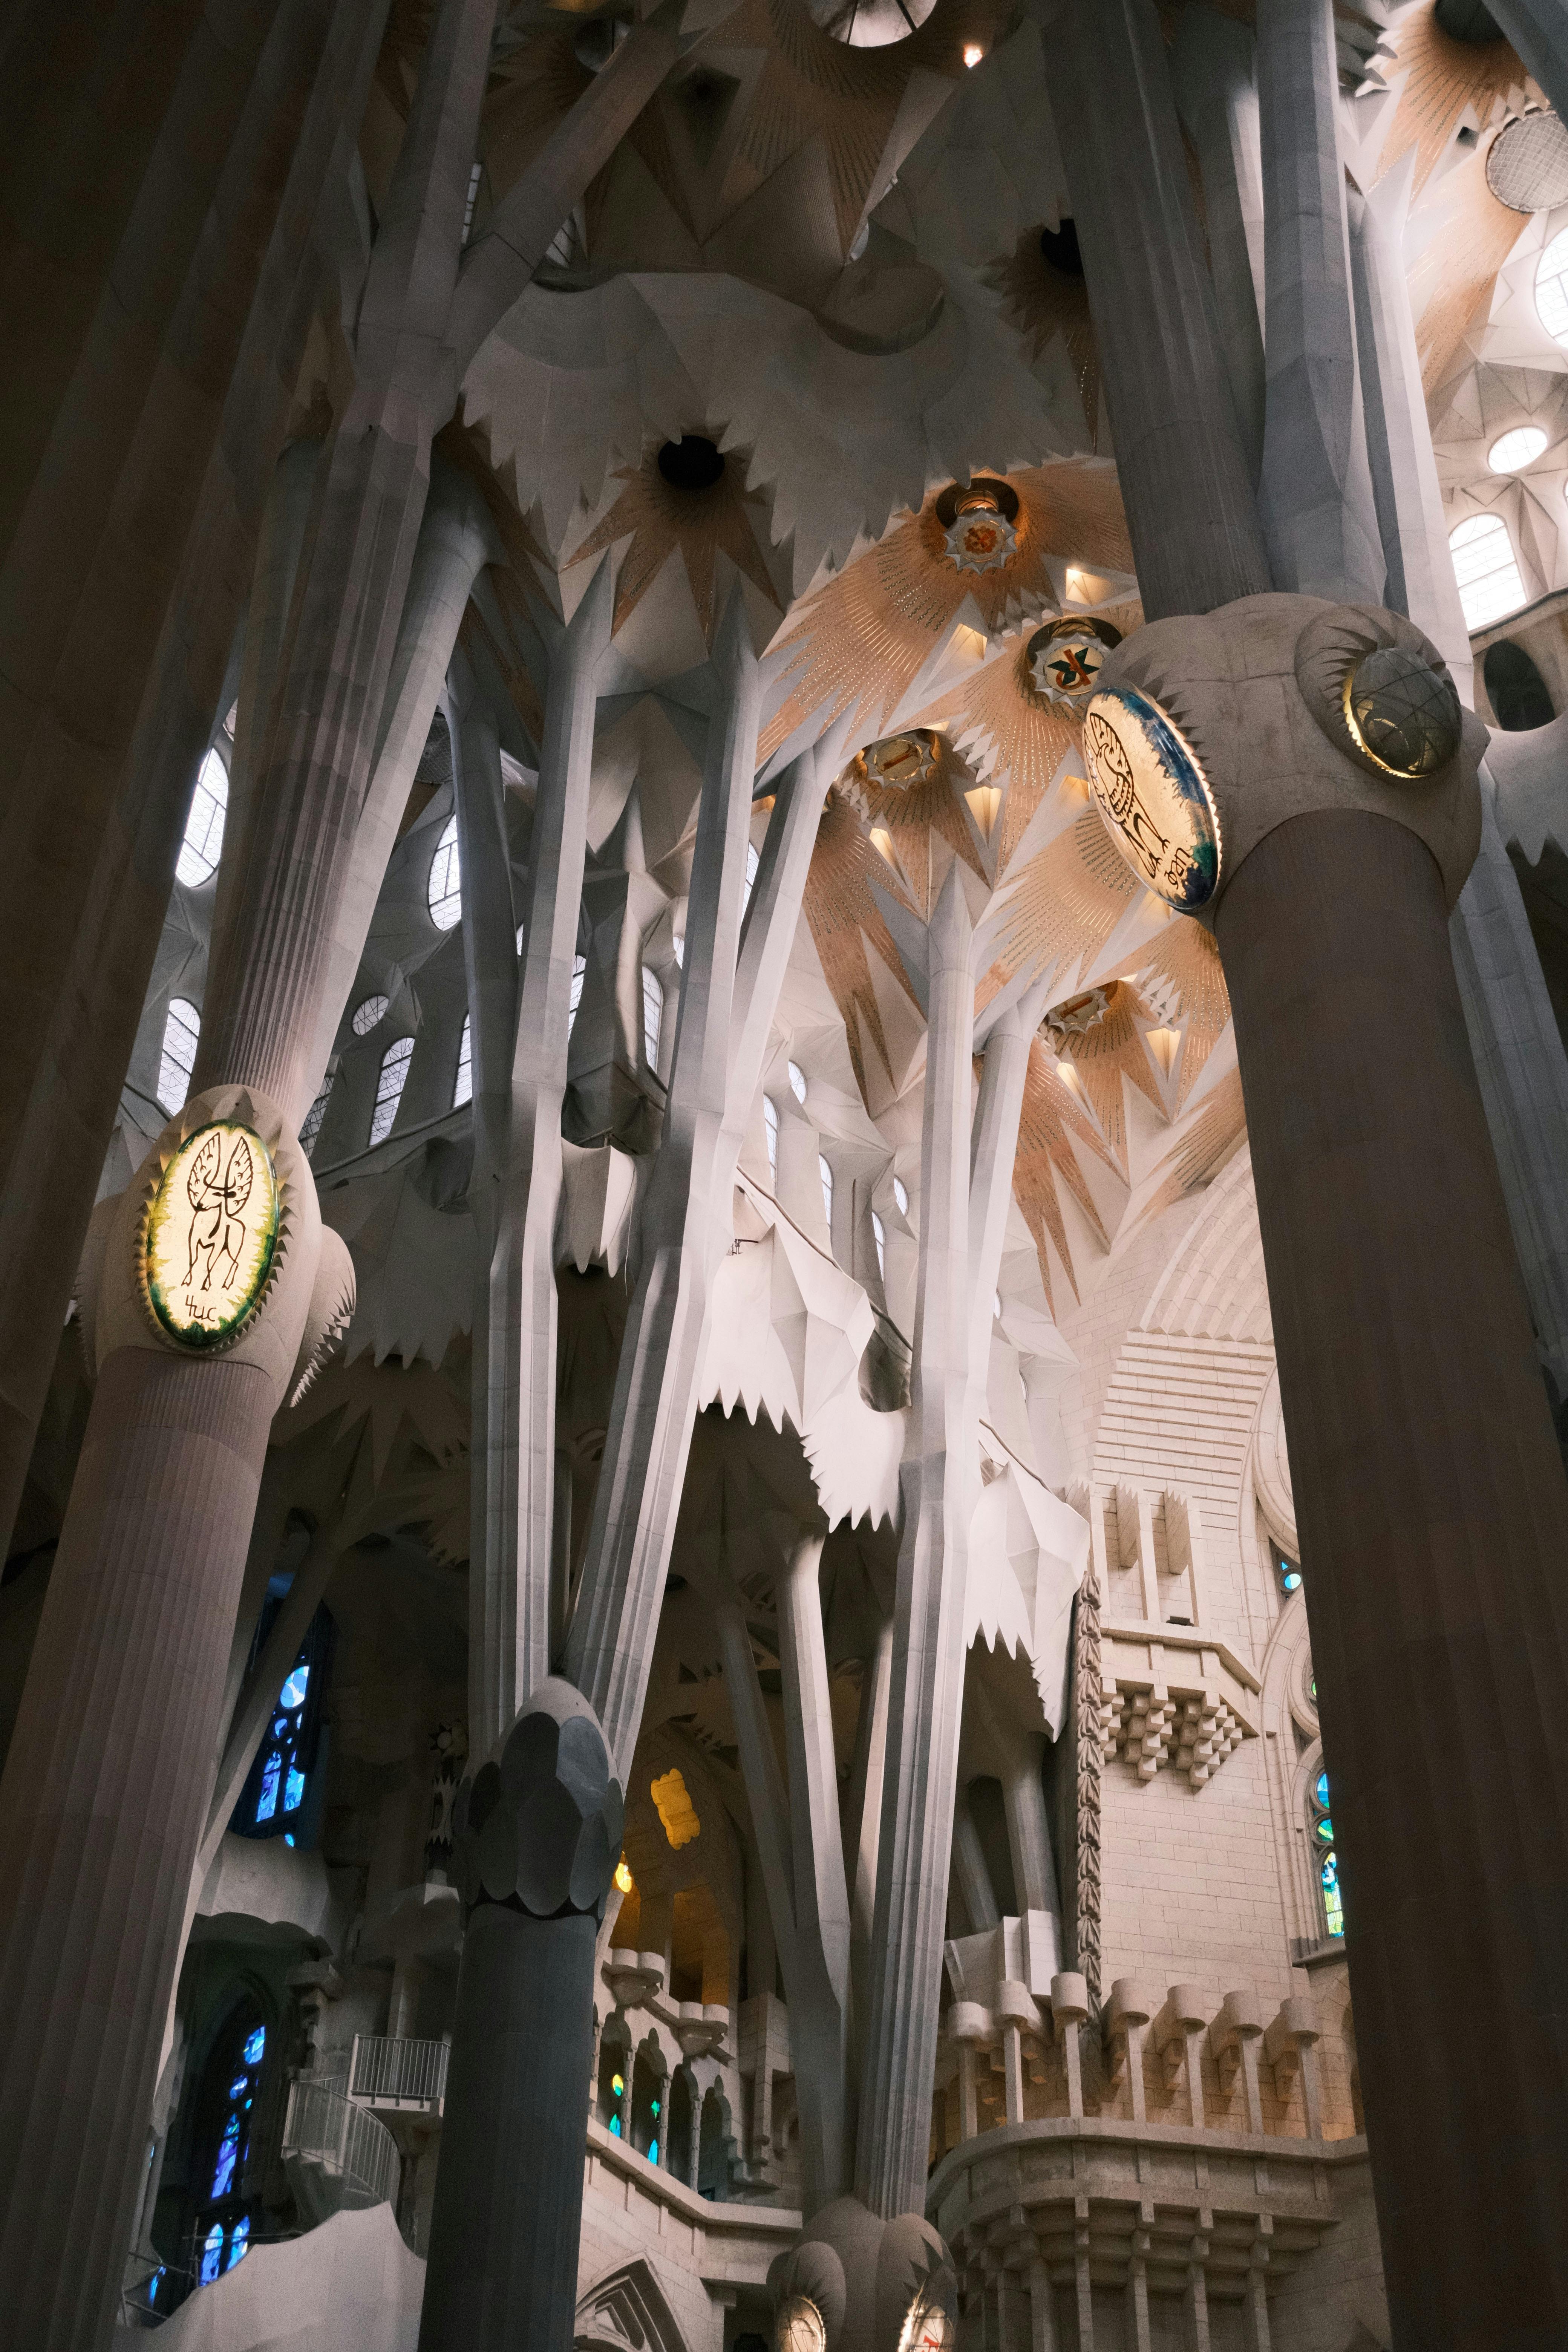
(798, 1082)
(182, 1030)
(881, 1238)
(652, 1015)
(901, 1194)
(579, 974)
(463, 1091)
(752, 863)
(771, 1127)
(389, 1087)
(446, 890)
(826, 1172)
(203, 845)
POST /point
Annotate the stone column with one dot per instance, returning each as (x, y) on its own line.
(1429, 1490)
(1523, 1075)
(537, 1839)
(109, 1770)
(128, 694)
(514, 1476)
(1181, 458)
(1214, 76)
(1315, 496)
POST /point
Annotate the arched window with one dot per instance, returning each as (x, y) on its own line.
(1287, 1572)
(203, 845)
(682, 2125)
(751, 864)
(826, 1172)
(275, 1801)
(463, 1091)
(445, 886)
(367, 1015)
(1515, 687)
(233, 2078)
(771, 1129)
(1487, 570)
(901, 1194)
(648, 2104)
(1325, 1858)
(579, 975)
(798, 1082)
(389, 1087)
(1551, 287)
(715, 2147)
(652, 1015)
(880, 1236)
(182, 1030)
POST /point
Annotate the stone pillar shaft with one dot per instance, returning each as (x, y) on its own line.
(102, 1808)
(508, 2209)
(1433, 1522)
(1181, 459)
(1316, 498)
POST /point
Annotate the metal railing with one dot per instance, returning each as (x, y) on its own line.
(391, 2071)
(354, 2148)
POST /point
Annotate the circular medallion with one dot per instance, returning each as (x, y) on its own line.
(1154, 795)
(1527, 163)
(1402, 713)
(900, 761)
(1065, 658)
(799, 2326)
(210, 1234)
(980, 538)
(1075, 1016)
(931, 2325)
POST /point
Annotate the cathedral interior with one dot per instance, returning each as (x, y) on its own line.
(784, 1175)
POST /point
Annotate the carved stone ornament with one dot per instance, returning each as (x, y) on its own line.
(898, 763)
(540, 1830)
(210, 1234)
(1380, 691)
(1075, 1016)
(1154, 795)
(980, 538)
(1065, 660)
(800, 2328)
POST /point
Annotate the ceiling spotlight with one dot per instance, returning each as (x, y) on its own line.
(1517, 449)
(972, 53)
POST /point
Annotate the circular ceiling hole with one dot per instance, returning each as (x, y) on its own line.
(692, 462)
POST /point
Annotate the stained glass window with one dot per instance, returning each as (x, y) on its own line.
(1325, 1856)
(223, 2226)
(274, 1801)
(313, 1118)
(1289, 1573)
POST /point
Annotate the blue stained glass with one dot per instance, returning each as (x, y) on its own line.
(653, 2151)
(251, 2053)
(1291, 1580)
(293, 1691)
(239, 2245)
(267, 1802)
(227, 2155)
(238, 2088)
(293, 1790)
(212, 2254)
(287, 1837)
(615, 2126)
(1321, 1788)
(1333, 1906)
(1326, 1830)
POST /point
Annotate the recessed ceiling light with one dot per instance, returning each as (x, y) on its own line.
(1516, 449)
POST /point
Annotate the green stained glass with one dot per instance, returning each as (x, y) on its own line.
(1333, 1906)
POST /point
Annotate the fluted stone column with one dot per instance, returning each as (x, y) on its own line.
(537, 1837)
(1429, 1490)
(115, 672)
(109, 1770)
